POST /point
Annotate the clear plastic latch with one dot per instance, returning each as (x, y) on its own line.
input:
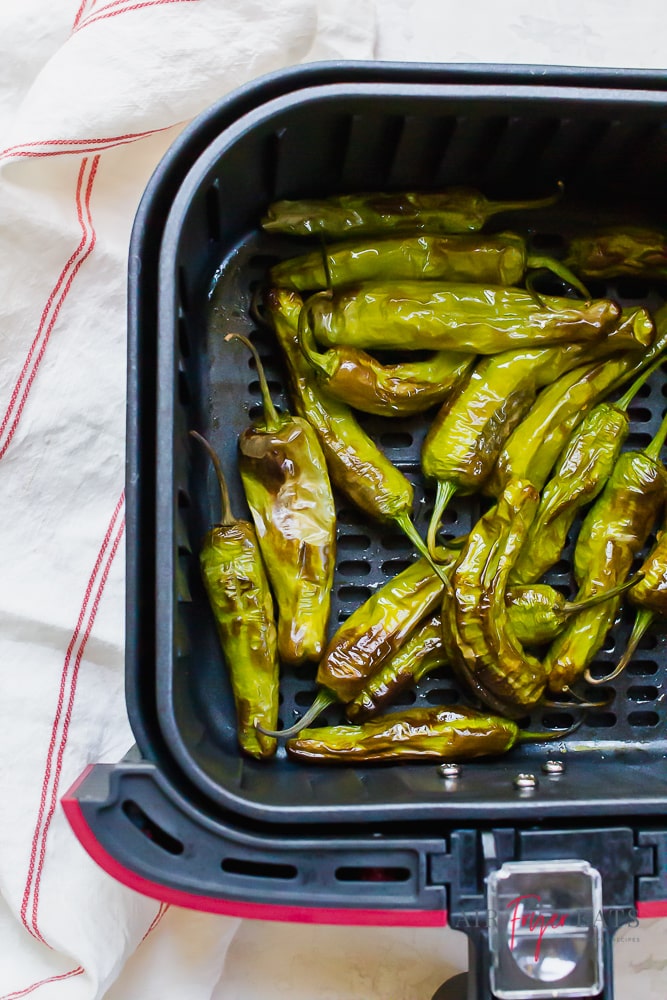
(545, 930)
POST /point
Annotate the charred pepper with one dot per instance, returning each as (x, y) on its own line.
(454, 210)
(614, 252)
(359, 469)
(584, 467)
(414, 734)
(361, 381)
(287, 487)
(612, 535)
(501, 259)
(240, 597)
(433, 315)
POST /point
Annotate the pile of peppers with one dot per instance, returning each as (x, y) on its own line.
(525, 397)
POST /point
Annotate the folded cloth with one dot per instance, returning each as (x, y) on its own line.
(91, 95)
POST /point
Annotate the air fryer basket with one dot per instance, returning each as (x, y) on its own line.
(609, 149)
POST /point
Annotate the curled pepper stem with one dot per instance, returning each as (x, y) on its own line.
(271, 418)
(642, 621)
(515, 206)
(226, 517)
(526, 736)
(444, 493)
(323, 699)
(537, 262)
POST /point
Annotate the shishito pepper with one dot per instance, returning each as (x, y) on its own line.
(619, 251)
(360, 470)
(287, 487)
(612, 535)
(650, 598)
(533, 447)
(240, 597)
(363, 382)
(457, 733)
(454, 210)
(371, 635)
(439, 316)
(580, 475)
(537, 614)
(501, 259)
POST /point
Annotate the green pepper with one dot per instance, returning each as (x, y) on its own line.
(372, 633)
(486, 654)
(455, 210)
(414, 734)
(650, 598)
(240, 598)
(465, 438)
(537, 614)
(614, 252)
(358, 468)
(361, 381)
(612, 535)
(533, 447)
(287, 487)
(581, 473)
(501, 259)
(435, 316)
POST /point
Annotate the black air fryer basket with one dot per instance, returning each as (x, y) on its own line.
(185, 817)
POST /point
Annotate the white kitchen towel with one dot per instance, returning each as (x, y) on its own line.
(91, 95)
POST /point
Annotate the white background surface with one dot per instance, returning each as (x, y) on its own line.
(155, 69)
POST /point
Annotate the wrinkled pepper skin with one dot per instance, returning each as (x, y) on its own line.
(378, 628)
(435, 316)
(486, 653)
(612, 535)
(615, 252)
(650, 592)
(287, 487)
(413, 734)
(360, 380)
(496, 260)
(358, 468)
(238, 591)
(537, 615)
(454, 210)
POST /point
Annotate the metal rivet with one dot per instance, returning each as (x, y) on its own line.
(525, 781)
(449, 770)
(553, 767)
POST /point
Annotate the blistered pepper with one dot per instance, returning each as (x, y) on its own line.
(501, 259)
(415, 734)
(581, 473)
(533, 447)
(358, 468)
(454, 210)
(619, 251)
(650, 598)
(435, 316)
(240, 597)
(612, 535)
(363, 382)
(287, 487)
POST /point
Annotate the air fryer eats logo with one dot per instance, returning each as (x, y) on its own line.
(525, 917)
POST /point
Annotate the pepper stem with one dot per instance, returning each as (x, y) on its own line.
(444, 493)
(642, 621)
(323, 363)
(606, 595)
(513, 206)
(655, 447)
(628, 396)
(525, 736)
(323, 699)
(271, 418)
(561, 271)
(408, 527)
(226, 510)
